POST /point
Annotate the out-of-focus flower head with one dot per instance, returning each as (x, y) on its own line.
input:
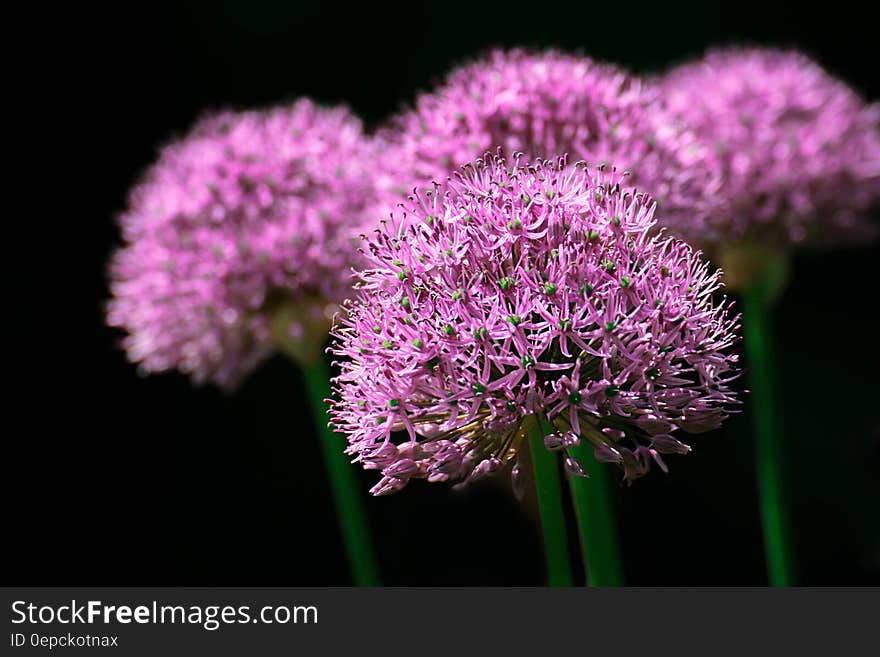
(797, 151)
(241, 237)
(549, 104)
(523, 292)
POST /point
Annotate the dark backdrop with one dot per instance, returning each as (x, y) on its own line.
(115, 479)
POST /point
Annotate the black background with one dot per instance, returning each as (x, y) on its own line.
(115, 479)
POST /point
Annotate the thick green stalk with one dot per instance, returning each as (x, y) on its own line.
(346, 491)
(778, 540)
(594, 507)
(549, 491)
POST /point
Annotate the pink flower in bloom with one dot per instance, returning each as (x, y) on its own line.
(243, 234)
(520, 292)
(547, 105)
(797, 151)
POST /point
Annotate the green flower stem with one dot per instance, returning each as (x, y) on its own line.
(778, 541)
(594, 507)
(549, 491)
(346, 491)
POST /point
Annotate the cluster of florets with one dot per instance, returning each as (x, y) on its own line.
(251, 217)
(546, 105)
(520, 293)
(797, 152)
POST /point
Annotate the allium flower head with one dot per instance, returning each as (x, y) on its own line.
(797, 151)
(522, 292)
(546, 105)
(246, 227)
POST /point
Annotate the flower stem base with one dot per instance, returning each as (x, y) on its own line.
(346, 491)
(778, 540)
(549, 491)
(594, 507)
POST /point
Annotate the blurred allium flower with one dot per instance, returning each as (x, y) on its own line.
(242, 235)
(519, 293)
(547, 105)
(797, 151)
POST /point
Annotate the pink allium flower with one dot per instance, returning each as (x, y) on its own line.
(520, 292)
(549, 104)
(243, 234)
(797, 151)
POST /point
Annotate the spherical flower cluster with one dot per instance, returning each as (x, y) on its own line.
(797, 151)
(520, 293)
(243, 234)
(547, 105)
